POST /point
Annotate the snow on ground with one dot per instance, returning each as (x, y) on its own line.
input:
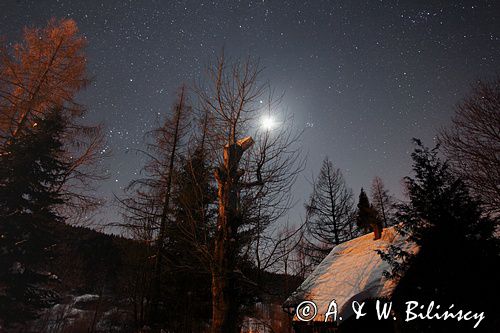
(62, 316)
(75, 302)
(85, 298)
(353, 271)
(79, 313)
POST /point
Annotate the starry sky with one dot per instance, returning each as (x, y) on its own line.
(361, 77)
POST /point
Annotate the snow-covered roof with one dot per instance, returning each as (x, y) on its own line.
(353, 271)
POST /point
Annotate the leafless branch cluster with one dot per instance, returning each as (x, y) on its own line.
(472, 142)
(330, 212)
(254, 171)
(382, 201)
(44, 71)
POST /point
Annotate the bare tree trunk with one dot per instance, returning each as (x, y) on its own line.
(381, 200)
(377, 231)
(234, 100)
(156, 283)
(382, 205)
(224, 302)
(332, 207)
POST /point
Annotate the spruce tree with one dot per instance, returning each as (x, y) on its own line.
(31, 169)
(190, 236)
(367, 217)
(330, 212)
(440, 202)
(457, 253)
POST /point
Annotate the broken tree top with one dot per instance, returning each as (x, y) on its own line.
(353, 271)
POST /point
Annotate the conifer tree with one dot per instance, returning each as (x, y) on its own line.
(149, 209)
(190, 238)
(194, 211)
(31, 168)
(330, 212)
(42, 72)
(367, 216)
(457, 247)
(382, 201)
(40, 75)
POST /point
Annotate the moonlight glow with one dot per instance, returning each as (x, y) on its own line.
(268, 123)
(347, 94)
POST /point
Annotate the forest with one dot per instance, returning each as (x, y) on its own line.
(203, 244)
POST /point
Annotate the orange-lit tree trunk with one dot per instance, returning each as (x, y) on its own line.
(233, 99)
(224, 302)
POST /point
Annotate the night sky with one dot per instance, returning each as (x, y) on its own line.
(361, 77)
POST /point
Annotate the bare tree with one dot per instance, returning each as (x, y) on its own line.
(253, 174)
(330, 211)
(85, 149)
(472, 142)
(43, 72)
(302, 261)
(381, 200)
(274, 248)
(148, 208)
(170, 138)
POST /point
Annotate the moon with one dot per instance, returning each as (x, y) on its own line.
(268, 123)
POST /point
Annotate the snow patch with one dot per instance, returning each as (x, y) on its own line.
(85, 298)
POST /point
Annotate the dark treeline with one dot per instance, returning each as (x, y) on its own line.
(204, 240)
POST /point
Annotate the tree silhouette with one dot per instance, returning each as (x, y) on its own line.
(30, 172)
(40, 75)
(254, 175)
(330, 212)
(457, 247)
(367, 218)
(382, 201)
(472, 142)
(149, 212)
